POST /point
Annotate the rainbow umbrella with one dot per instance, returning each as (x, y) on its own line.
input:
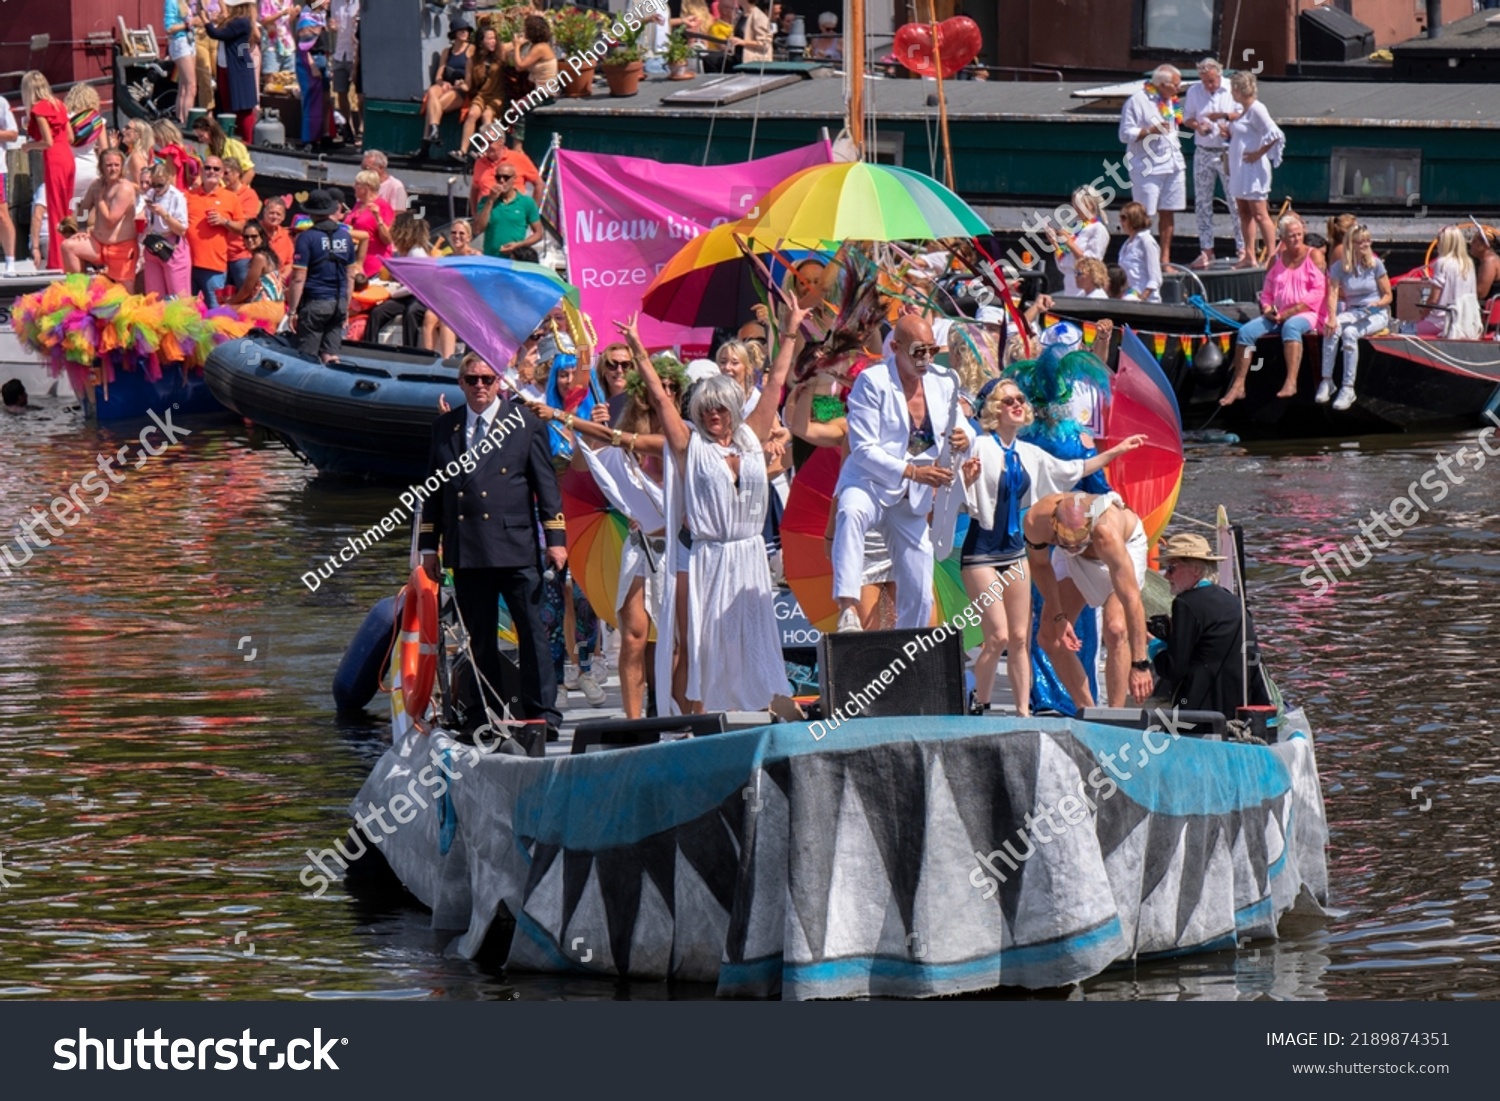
(860, 202)
(1150, 477)
(492, 304)
(714, 281)
(596, 540)
(804, 557)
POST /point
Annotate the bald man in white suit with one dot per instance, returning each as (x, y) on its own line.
(899, 415)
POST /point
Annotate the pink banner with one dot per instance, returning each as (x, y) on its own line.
(623, 218)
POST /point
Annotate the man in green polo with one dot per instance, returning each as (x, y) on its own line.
(506, 219)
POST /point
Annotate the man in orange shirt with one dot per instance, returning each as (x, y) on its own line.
(211, 208)
(273, 219)
(239, 255)
(528, 179)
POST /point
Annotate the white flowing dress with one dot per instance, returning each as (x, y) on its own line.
(734, 647)
(1248, 133)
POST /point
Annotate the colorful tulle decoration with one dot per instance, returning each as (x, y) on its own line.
(81, 322)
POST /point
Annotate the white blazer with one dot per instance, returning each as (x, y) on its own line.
(879, 426)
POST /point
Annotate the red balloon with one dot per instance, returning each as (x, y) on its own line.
(958, 40)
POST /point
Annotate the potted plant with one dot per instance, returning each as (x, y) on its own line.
(678, 54)
(623, 65)
(574, 31)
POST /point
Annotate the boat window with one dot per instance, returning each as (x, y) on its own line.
(1176, 25)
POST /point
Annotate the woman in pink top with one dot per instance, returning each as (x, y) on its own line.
(371, 220)
(1292, 302)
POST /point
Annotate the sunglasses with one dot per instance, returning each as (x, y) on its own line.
(502, 179)
(617, 365)
(922, 351)
(1013, 402)
(481, 380)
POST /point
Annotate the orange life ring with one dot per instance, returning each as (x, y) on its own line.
(419, 642)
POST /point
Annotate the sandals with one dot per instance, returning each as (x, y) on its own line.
(1205, 260)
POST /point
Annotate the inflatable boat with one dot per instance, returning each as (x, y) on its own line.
(367, 415)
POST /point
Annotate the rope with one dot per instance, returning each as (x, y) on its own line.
(1199, 303)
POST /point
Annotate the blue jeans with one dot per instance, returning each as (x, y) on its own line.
(1293, 329)
(210, 284)
(238, 269)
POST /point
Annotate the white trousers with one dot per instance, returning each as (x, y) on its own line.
(909, 540)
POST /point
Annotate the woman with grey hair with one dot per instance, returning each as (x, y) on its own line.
(715, 485)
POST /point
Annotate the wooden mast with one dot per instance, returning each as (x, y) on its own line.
(854, 72)
(937, 61)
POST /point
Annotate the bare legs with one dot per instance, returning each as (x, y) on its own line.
(1117, 652)
(187, 87)
(1065, 661)
(1292, 350)
(1167, 221)
(1007, 628)
(1236, 391)
(635, 628)
(1254, 215)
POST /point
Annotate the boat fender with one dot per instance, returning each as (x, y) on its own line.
(419, 642)
(1208, 362)
(358, 676)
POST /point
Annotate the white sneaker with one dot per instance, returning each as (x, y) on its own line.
(591, 690)
(1345, 398)
(1325, 391)
(562, 698)
(849, 621)
(570, 678)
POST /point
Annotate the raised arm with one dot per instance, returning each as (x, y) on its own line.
(762, 418)
(673, 427)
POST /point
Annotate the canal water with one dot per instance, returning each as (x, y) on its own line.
(169, 749)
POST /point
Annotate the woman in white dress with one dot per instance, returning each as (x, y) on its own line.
(716, 486)
(1255, 145)
(1091, 239)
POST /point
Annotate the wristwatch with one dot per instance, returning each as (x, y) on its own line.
(1143, 666)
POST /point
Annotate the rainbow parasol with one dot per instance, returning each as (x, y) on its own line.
(596, 538)
(860, 202)
(805, 559)
(714, 281)
(1150, 477)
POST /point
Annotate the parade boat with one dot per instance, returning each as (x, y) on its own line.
(368, 414)
(16, 360)
(1405, 383)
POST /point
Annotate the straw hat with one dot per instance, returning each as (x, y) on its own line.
(1189, 546)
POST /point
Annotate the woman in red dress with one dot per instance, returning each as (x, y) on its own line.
(50, 132)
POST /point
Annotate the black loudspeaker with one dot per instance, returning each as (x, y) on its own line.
(395, 39)
(598, 734)
(886, 673)
(1328, 34)
(1190, 724)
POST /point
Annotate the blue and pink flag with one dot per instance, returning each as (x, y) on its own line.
(492, 304)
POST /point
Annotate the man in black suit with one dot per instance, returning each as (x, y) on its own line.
(496, 475)
(1202, 667)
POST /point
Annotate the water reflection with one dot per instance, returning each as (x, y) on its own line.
(158, 791)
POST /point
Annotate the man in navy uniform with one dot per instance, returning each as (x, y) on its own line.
(485, 516)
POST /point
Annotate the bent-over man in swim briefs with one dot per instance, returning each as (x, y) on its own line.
(1100, 561)
(111, 242)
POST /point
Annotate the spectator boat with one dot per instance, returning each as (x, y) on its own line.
(366, 415)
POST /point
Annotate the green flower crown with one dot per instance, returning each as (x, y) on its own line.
(668, 366)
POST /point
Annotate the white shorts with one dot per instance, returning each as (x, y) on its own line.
(1157, 193)
(1092, 576)
(180, 46)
